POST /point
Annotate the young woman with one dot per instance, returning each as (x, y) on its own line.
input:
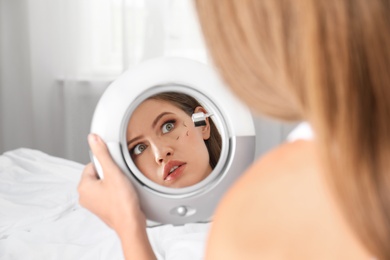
(323, 61)
(326, 62)
(166, 146)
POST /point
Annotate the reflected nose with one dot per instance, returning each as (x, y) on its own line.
(162, 153)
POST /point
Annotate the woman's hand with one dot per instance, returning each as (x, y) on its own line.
(114, 200)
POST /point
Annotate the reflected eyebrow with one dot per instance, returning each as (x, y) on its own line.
(159, 117)
(153, 126)
(133, 140)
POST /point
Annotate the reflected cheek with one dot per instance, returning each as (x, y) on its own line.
(183, 133)
(194, 139)
(190, 133)
(196, 149)
(146, 166)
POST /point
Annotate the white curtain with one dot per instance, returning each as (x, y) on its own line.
(58, 56)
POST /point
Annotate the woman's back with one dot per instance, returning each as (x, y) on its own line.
(325, 62)
(283, 208)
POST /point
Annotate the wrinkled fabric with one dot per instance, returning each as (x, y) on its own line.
(40, 217)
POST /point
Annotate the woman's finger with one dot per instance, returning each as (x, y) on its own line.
(100, 151)
(89, 172)
(87, 182)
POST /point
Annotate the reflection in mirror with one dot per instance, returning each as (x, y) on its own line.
(165, 144)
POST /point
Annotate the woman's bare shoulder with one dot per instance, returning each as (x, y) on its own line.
(279, 205)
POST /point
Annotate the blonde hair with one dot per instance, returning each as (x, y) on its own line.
(328, 62)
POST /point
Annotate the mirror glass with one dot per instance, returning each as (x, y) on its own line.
(167, 146)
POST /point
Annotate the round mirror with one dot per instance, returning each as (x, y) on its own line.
(164, 142)
(179, 135)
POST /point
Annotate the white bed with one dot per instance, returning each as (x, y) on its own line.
(40, 217)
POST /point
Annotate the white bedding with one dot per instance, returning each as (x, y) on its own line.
(40, 217)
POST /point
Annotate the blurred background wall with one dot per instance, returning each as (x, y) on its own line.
(58, 56)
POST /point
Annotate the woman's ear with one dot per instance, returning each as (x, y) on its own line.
(206, 128)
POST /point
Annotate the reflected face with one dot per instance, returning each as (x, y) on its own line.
(166, 146)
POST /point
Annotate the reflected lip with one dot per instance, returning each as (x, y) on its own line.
(172, 170)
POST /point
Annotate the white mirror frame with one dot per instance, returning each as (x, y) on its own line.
(234, 121)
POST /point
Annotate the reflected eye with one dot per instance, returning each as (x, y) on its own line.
(139, 148)
(167, 127)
